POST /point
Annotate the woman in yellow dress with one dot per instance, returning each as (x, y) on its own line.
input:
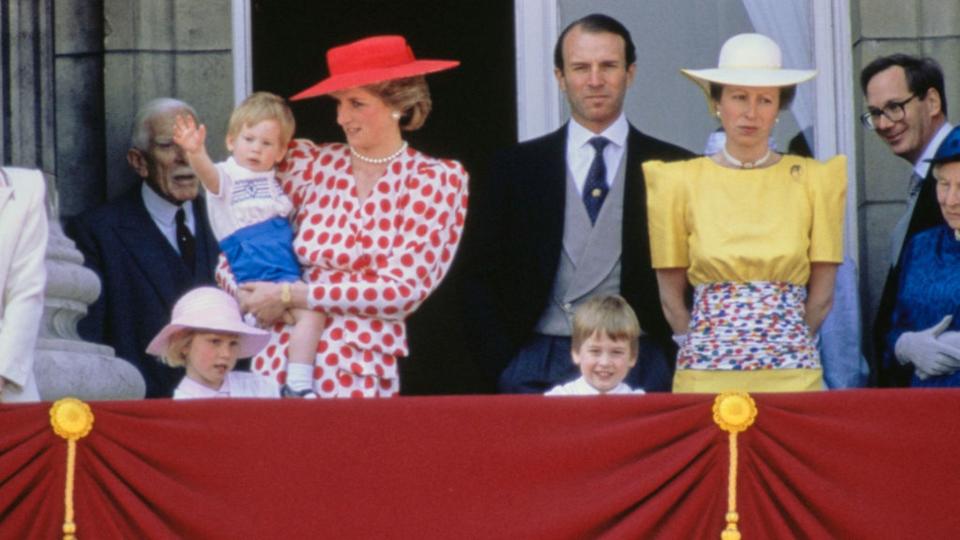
(756, 233)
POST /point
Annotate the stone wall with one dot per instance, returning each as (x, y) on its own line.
(177, 48)
(880, 27)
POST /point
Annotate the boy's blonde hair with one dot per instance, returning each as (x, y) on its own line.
(611, 316)
(260, 106)
(175, 355)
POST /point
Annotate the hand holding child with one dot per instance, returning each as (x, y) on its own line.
(262, 299)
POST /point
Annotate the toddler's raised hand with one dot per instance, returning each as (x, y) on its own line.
(187, 135)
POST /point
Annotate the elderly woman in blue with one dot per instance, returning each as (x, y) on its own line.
(926, 319)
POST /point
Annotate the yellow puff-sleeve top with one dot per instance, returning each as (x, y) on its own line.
(745, 225)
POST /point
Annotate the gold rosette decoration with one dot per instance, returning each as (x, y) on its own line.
(71, 419)
(733, 412)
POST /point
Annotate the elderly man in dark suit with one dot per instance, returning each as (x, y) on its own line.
(562, 218)
(148, 247)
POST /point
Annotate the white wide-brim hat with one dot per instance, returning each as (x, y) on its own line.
(748, 60)
(210, 309)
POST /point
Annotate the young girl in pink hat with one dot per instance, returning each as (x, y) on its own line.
(206, 335)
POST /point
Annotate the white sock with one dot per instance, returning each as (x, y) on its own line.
(300, 376)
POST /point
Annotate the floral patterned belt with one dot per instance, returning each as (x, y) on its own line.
(749, 326)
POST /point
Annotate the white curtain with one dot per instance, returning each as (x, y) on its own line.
(792, 25)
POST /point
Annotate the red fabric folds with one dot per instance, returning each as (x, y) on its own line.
(854, 464)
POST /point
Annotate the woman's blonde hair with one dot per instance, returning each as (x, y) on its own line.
(176, 353)
(410, 96)
(611, 316)
(261, 106)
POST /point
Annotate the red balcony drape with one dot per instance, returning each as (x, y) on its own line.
(846, 464)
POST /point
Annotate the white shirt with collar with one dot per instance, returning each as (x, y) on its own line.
(164, 214)
(237, 384)
(580, 152)
(922, 166)
(581, 387)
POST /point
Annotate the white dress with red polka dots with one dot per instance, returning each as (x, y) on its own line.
(369, 264)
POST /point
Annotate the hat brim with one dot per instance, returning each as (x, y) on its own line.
(371, 76)
(746, 77)
(252, 340)
(750, 77)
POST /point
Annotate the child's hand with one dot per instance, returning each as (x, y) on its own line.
(187, 135)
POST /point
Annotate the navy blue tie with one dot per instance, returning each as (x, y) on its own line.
(595, 188)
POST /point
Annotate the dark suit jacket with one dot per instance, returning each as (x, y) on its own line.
(515, 237)
(926, 214)
(142, 276)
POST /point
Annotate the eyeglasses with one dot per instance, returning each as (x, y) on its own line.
(893, 111)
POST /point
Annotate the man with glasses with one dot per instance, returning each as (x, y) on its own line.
(907, 108)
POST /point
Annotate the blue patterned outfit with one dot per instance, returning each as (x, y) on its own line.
(929, 290)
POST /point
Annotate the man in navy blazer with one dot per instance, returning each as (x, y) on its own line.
(518, 223)
(132, 244)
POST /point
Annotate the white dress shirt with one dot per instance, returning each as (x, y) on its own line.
(237, 384)
(580, 152)
(164, 214)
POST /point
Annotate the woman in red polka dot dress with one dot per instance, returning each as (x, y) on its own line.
(377, 223)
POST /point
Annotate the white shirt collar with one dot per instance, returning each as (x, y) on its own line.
(922, 166)
(189, 388)
(615, 132)
(580, 152)
(583, 388)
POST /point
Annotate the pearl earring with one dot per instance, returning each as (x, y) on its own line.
(717, 113)
(395, 115)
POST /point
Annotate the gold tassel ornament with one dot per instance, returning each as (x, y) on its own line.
(733, 412)
(72, 420)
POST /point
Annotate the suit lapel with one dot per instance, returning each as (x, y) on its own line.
(636, 250)
(546, 196)
(207, 247)
(155, 257)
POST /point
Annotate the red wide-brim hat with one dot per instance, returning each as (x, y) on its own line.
(371, 60)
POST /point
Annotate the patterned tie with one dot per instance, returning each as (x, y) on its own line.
(595, 188)
(185, 241)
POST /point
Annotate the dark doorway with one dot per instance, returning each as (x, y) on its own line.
(474, 113)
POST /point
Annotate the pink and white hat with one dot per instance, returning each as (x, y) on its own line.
(210, 309)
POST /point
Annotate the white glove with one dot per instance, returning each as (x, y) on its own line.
(928, 355)
(951, 338)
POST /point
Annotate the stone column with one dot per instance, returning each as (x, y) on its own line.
(64, 364)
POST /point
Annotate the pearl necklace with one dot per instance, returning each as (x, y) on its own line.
(746, 164)
(380, 160)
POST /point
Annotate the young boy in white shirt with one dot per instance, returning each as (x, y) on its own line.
(249, 214)
(604, 344)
